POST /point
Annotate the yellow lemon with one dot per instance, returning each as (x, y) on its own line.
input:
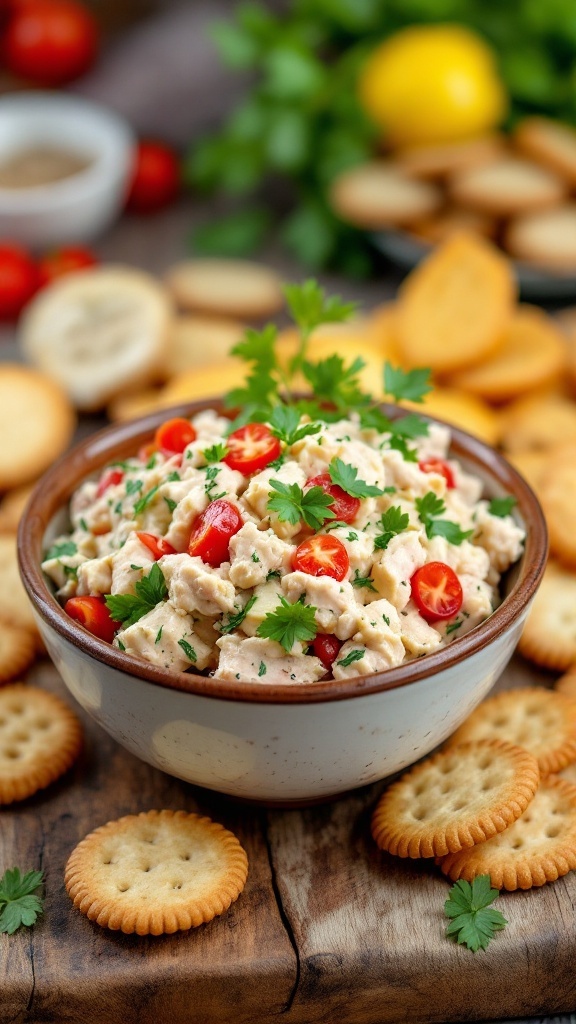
(432, 84)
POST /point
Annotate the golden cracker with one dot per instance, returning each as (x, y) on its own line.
(530, 465)
(199, 341)
(36, 424)
(549, 635)
(546, 239)
(558, 497)
(40, 738)
(15, 605)
(507, 186)
(536, 421)
(17, 651)
(228, 288)
(438, 161)
(540, 720)
(12, 506)
(537, 848)
(550, 143)
(156, 873)
(452, 221)
(455, 798)
(462, 410)
(380, 195)
(566, 684)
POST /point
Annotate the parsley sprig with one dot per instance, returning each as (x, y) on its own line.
(473, 922)
(429, 508)
(128, 608)
(392, 522)
(235, 621)
(346, 477)
(19, 904)
(61, 549)
(215, 453)
(289, 623)
(284, 423)
(292, 504)
(502, 506)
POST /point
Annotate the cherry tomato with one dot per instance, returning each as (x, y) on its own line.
(18, 280)
(50, 41)
(251, 448)
(438, 466)
(173, 436)
(146, 451)
(322, 555)
(157, 545)
(344, 506)
(155, 177)
(92, 613)
(64, 261)
(437, 591)
(109, 478)
(212, 531)
(326, 647)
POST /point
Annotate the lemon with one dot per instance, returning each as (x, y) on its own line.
(432, 84)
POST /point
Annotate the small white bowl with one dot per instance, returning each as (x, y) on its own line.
(77, 208)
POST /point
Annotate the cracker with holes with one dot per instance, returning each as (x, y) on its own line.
(558, 497)
(40, 739)
(549, 637)
(156, 873)
(542, 721)
(455, 798)
(538, 848)
(17, 651)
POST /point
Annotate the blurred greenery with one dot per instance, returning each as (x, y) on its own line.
(301, 122)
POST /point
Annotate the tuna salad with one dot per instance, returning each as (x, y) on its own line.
(293, 556)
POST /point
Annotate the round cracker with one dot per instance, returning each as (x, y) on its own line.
(156, 873)
(17, 651)
(379, 195)
(540, 720)
(550, 143)
(537, 848)
(530, 465)
(454, 308)
(440, 160)
(36, 424)
(12, 506)
(536, 421)
(549, 635)
(227, 288)
(566, 684)
(40, 739)
(452, 221)
(134, 404)
(546, 239)
(461, 410)
(558, 497)
(506, 187)
(15, 605)
(199, 341)
(205, 382)
(455, 798)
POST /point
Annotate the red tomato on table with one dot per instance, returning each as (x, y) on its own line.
(344, 506)
(92, 613)
(50, 41)
(322, 555)
(64, 261)
(18, 280)
(212, 531)
(251, 448)
(155, 177)
(436, 591)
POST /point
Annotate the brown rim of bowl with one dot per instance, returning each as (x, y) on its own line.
(55, 488)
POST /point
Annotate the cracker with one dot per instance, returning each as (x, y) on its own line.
(12, 506)
(156, 873)
(550, 143)
(134, 404)
(380, 195)
(558, 497)
(506, 187)
(566, 684)
(549, 635)
(568, 773)
(530, 465)
(200, 340)
(17, 651)
(536, 421)
(15, 605)
(546, 239)
(452, 221)
(228, 288)
(205, 382)
(537, 848)
(461, 410)
(540, 720)
(532, 354)
(455, 798)
(40, 739)
(36, 424)
(454, 307)
(440, 160)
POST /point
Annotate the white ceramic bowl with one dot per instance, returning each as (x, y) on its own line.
(273, 743)
(82, 206)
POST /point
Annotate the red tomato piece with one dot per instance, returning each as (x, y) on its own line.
(157, 545)
(437, 591)
(212, 531)
(252, 448)
(326, 646)
(146, 451)
(173, 436)
(18, 280)
(109, 478)
(92, 613)
(322, 555)
(155, 177)
(64, 261)
(50, 41)
(344, 506)
(438, 466)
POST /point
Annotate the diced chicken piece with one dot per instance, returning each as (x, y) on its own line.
(194, 586)
(255, 553)
(188, 509)
(464, 557)
(434, 444)
(457, 510)
(469, 487)
(359, 547)
(315, 452)
(408, 477)
(95, 576)
(382, 654)
(499, 536)
(81, 500)
(367, 461)
(477, 605)
(62, 571)
(418, 636)
(336, 605)
(129, 564)
(209, 426)
(254, 660)
(205, 628)
(166, 637)
(256, 496)
(397, 563)
(267, 598)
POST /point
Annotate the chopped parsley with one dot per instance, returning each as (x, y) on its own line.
(61, 549)
(159, 635)
(285, 425)
(292, 504)
(363, 581)
(392, 522)
(128, 608)
(453, 626)
(289, 623)
(346, 477)
(431, 506)
(145, 500)
(171, 503)
(216, 453)
(234, 621)
(255, 557)
(262, 669)
(502, 506)
(133, 487)
(352, 656)
(274, 574)
(188, 650)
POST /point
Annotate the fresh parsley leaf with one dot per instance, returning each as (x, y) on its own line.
(289, 623)
(351, 657)
(392, 522)
(145, 500)
(473, 922)
(410, 427)
(428, 506)
(128, 608)
(19, 906)
(216, 452)
(431, 506)
(133, 486)
(235, 621)
(188, 650)
(363, 581)
(292, 504)
(346, 477)
(335, 384)
(285, 425)
(339, 524)
(502, 506)
(309, 306)
(258, 395)
(410, 385)
(58, 550)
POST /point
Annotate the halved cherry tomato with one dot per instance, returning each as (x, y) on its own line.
(109, 478)
(252, 448)
(344, 506)
(157, 545)
(65, 260)
(326, 647)
(212, 531)
(322, 555)
(92, 613)
(173, 436)
(438, 466)
(437, 591)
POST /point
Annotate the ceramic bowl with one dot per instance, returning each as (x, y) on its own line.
(260, 741)
(77, 208)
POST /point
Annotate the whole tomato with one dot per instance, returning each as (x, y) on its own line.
(155, 177)
(50, 41)
(18, 280)
(63, 261)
